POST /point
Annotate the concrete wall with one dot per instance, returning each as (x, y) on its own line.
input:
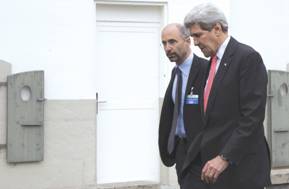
(280, 186)
(69, 150)
(5, 69)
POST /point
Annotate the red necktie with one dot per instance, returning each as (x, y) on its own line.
(210, 81)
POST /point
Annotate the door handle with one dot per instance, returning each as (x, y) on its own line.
(281, 131)
(40, 99)
(101, 101)
(3, 84)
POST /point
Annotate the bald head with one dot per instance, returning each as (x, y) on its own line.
(181, 29)
(176, 42)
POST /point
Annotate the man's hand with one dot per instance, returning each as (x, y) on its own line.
(213, 169)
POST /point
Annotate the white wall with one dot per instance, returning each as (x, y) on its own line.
(263, 24)
(57, 36)
(179, 8)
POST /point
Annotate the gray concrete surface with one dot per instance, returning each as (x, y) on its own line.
(280, 186)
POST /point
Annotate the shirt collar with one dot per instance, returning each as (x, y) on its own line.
(186, 65)
(222, 48)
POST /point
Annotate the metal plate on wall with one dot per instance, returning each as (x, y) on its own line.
(25, 117)
(278, 117)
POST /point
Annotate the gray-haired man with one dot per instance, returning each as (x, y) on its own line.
(233, 148)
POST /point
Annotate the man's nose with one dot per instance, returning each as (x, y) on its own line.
(196, 42)
(168, 48)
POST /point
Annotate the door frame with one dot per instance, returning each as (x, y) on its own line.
(164, 69)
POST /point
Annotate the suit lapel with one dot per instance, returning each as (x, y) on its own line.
(202, 91)
(193, 74)
(222, 70)
(194, 70)
(170, 87)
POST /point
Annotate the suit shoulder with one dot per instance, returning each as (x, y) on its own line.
(246, 49)
(249, 55)
(201, 64)
(202, 61)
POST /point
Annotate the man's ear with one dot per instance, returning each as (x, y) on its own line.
(218, 29)
(188, 39)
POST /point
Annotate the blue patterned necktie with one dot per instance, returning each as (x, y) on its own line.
(177, 108)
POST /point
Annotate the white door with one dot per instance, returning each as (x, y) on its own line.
(127, 72)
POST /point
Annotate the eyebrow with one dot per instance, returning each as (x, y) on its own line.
(169, 41)
(197, 34)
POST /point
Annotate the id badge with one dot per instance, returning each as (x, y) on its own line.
(192, 99)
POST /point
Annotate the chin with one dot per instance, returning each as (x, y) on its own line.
(173, 60)
(207, 54)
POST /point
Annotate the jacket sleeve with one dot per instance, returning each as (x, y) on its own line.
(165, 126)
(252, 95)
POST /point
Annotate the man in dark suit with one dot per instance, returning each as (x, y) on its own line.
(180, 120)
(233, 148)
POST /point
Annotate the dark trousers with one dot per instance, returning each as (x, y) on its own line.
(191, 179)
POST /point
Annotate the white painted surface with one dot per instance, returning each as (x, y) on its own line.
(59, 36)
(128, 80)
(264, 26)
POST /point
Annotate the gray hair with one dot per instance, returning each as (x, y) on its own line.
(206, 16)
(183, 31)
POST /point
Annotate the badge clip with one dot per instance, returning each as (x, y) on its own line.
(192, 98)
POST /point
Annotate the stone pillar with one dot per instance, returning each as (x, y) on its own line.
(5, 70)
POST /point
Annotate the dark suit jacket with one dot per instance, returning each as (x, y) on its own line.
(192, 114)
(234, 119)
